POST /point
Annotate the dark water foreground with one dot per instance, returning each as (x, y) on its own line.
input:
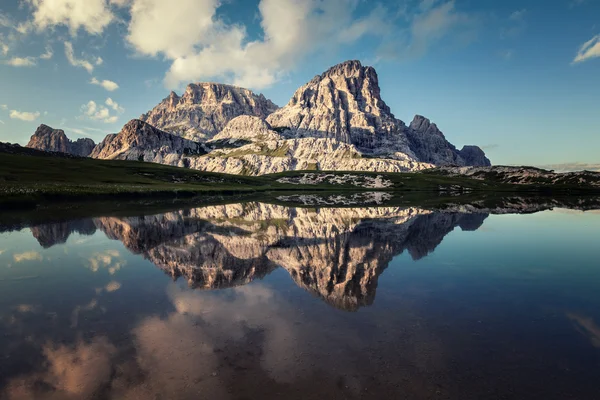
(258, 301)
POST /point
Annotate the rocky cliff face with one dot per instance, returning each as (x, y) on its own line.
(344, 104)
(143, 142)
(229, 153)
(430, 145)
(48, 139)
(205, 108)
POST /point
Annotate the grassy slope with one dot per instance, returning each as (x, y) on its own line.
(38, 177)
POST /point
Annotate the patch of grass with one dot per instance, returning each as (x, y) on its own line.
(263, 150)
(29, 178)
(226, 144)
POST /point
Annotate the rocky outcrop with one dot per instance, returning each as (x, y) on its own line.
(47, 139)
(345, 104)
(295, 155)
(143, 142)
(430, 145)
(250, 128)
(474, 156)
(205, 109)
(526, 176)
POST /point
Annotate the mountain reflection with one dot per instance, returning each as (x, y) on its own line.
(335, 253)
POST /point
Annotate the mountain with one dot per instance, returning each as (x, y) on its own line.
(205, 109)
(48, 139)
(336, 122)
(143, 142)
(430, 145)
(345, 104)
(248, 146)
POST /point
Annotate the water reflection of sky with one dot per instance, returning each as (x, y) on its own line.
(490, 308)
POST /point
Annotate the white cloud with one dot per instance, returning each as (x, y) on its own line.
(79, 62)
(202, 46)
(506, 54)
(112, 287)
(1, 122)
(576, 3)
(106, 84)
(518, 15)
(97, 112)
(47, 54)
(516, 24)
(114, 105)
(22, 62)
(588, 50)
(434, 24)
(5, 21)
(24, 115)
(3, 47)
(27, 256)
(3, 107)
(90, 15)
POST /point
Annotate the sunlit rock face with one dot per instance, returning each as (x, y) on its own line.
(205, 109)
(47, 139)
(344, 104)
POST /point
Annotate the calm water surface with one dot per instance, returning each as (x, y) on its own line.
(257, 301)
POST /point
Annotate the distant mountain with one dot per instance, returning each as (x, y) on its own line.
(430, 145)
(48, 139)
(205, 109)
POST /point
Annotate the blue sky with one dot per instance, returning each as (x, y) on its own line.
(519, 78)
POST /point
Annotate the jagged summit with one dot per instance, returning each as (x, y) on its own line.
(430, 145)
(205, 108)
(423, 124)
(48, 139)
(350, 68)
(345, 104)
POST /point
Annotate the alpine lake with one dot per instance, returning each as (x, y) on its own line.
(260, 300)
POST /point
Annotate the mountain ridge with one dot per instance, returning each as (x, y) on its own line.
(54, 140)
(336, 121)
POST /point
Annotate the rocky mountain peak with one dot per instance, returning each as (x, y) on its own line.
(344, 103)
(475, 156)
(424, 125)
(48, 139)
(349, 69)
(205, 108)
(430, 145)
